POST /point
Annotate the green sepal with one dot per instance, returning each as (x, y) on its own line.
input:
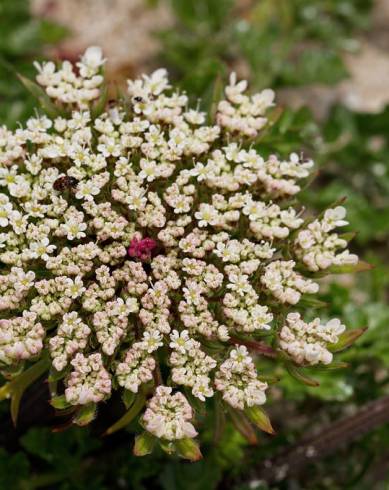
(260, 418)
(167, 446)
(188, 448)
(59, 402)
(12, 372)
(297, 373)
(144, 444)
(128, 398)
(55, 375)
(85, 415)
(311, 302)
(346, 339)
(242, 425)
(360, 266)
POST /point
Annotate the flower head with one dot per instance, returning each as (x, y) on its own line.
(144, 250)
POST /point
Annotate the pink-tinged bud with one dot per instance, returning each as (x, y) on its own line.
(142, 249)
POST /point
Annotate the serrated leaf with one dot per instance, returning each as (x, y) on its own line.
(260, 418)
(85, 415)
(144, 444)
(346, 339)
(298, 374)
(188, 448)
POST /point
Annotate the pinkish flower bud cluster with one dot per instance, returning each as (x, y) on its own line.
(89, 381)
(72, 336)
(138, 365)
(20, 338)
(14, 287)
(190, 365)
(168, 416)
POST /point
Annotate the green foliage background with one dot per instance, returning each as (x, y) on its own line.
(279, 44)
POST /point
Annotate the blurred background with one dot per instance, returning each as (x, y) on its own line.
(328, 61)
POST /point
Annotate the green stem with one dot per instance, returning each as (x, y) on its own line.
(128, 416)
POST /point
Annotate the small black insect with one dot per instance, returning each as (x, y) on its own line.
(64, 183)
(138, 98)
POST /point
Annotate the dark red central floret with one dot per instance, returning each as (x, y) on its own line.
(142, 249)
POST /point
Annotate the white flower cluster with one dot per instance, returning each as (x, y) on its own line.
(144, 241)
(237, 379)
(68, 87)
(307, 342)
(243, 114)
(317, 247)
(168, 416)
(285, 284)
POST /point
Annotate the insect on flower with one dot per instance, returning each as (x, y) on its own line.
(64, 183)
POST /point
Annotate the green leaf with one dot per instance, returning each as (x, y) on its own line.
(188, 448)
(260, 418)
(144, 444)
(346, 339)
